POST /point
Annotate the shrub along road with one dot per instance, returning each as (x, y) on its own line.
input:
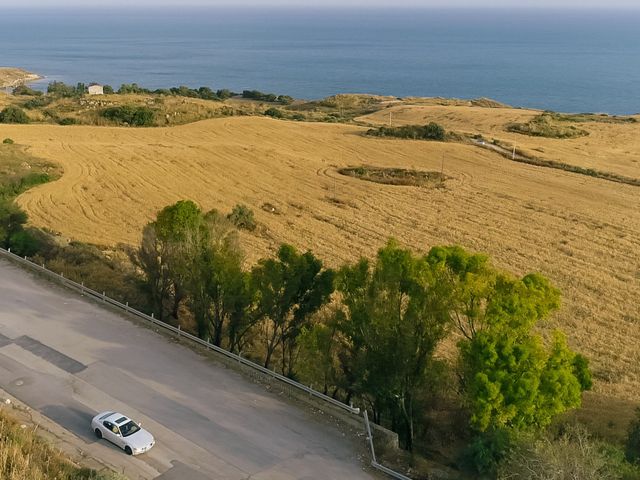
(69, 358)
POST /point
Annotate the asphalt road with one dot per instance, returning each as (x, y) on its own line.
(69, 358)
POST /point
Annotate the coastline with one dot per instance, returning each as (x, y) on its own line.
(12, 77)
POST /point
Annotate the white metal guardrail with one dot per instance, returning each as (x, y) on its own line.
(374, 460)
(238, 358)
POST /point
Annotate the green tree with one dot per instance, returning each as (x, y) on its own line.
(289, 289)
(152, 258)
(175, 227)
(12, 219)
(510, 377)
(395, 315)
(217, 284)
(318, 362)
(80, 89)
(60, 89)
(242, 318)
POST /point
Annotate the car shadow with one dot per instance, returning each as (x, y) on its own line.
(74, 419)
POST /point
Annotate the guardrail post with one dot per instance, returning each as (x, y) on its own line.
(369, 436)
(178, 331)
(9, 249)
(153, 320)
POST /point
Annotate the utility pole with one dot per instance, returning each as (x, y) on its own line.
(513, 157)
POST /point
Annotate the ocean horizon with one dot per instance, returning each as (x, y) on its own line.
(563, 60)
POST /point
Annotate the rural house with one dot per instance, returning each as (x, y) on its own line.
(96, 89)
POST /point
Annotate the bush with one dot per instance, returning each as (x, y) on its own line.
(547, 125)
(24, 90)
(274, 112)
(431, 131)
(7, 141)
(285, 99)
(242, 217)
(12, 114)
(130, 114)
(224, 94)
(68, 121)
(37, 102)
(107, 89)
(573, 454)
(486, 451)
(632, 446)
(23, 243)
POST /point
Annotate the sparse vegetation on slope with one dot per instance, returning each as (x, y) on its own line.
(547, 125)
(394, 176)
(19, 171)
(430, 131)
(26, 456)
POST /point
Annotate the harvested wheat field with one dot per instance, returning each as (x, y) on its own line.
(609, 147)
(583, 232)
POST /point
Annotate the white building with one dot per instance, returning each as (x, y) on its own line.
(96, 90)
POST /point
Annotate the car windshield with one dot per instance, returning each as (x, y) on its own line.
(129, 428)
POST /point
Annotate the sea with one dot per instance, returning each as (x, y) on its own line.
(563, 60)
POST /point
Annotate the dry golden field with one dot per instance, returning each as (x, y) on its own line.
(583, 232)
(610, 147)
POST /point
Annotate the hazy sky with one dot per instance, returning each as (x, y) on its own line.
(580, 4)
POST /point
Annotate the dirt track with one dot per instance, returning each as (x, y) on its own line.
(582, 232)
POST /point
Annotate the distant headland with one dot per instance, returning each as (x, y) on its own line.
(12, 77)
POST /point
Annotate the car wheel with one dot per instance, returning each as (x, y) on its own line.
(98, 433)
(128, 450)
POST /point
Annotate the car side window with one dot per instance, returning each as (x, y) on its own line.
(107, 425)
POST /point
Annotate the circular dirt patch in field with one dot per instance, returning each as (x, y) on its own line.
(395, 176)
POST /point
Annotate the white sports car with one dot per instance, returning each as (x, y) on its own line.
(122, 432)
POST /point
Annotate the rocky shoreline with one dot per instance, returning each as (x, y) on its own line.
(12, 77)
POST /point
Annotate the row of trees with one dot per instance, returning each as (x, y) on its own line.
(368, 332)
(267, 97)
(60, 89)
(205, 93)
